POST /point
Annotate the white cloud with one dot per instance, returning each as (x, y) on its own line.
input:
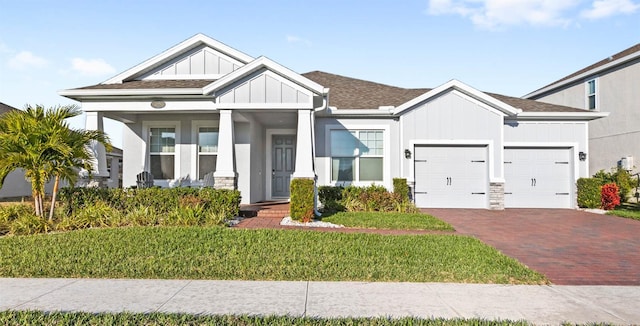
(492, 14)
(26, 59)
(297, 40)
(607, 8)
(91, 67)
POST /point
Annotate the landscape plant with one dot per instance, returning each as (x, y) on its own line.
(610, 196)
(302, 200)
(589, 192)
(40, 142)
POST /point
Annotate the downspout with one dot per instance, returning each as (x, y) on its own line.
(325, 102)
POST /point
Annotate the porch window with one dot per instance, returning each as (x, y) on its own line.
(591, 94)
(162, 145)
(357, 155)
(207, 150)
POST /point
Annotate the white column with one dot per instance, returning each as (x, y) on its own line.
(224, 164)
(94, 122)
(304, 146)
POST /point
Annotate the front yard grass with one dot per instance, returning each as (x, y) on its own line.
(627, 210)
(236, 254)
(84, 318)
(393, 221)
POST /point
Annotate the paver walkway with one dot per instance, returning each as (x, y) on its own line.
(570, 247)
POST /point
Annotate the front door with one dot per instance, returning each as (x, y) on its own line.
(284, 157)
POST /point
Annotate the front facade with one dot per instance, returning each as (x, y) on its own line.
(203, 111)
(609, 85)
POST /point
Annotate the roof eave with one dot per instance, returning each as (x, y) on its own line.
(572, 116)
(583, 75)
(79, 94)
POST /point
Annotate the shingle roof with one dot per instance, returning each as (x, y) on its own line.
(154, 84)
(619, 55)
(4, 108)
(351, 93)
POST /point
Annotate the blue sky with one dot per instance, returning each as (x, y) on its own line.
(510, 47)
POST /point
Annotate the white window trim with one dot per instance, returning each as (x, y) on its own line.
(595, 94)
(386, 161)
(194, 153)
(146, 127)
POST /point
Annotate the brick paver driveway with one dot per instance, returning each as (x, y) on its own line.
(570, 247)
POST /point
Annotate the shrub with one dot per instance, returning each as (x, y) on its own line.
(401, 188)
(620, 177)
(29, 223)
(99, 214)
(610, 196)
(331, 198)
(302, 199)
(589, 192)
(10, 213)
(375, 198)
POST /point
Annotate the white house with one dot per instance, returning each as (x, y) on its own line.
(609, 85)
(202, 106)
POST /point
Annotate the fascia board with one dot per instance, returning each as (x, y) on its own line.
(465, 89)
(129, 92)
(584, 75)
(264, 62)
(561, 115)
(183, 46)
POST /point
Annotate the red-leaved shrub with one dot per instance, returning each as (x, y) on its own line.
(609, 195)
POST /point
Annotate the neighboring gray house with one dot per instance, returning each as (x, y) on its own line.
(610, 85)
(203, 107)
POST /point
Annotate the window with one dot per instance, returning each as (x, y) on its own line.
(591, 94)
(162, 148)
(207, 150)
(357, 155)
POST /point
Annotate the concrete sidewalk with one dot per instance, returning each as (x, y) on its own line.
(536, 304)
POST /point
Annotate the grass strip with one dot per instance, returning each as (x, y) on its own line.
(240, 254)
(391, 221)
(626, 213)
(82, 318)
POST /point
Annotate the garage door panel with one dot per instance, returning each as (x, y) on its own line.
(451, 176)
(538, 177)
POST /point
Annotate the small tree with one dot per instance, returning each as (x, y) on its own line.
(40, 142)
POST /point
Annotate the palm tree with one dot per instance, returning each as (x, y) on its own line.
(40, 142)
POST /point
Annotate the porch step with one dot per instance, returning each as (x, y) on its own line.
(267, 213)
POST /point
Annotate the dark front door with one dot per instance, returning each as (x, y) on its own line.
(284, 157)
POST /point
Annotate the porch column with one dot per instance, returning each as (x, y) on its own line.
(99, 169)
(304, 146)
(225, 174)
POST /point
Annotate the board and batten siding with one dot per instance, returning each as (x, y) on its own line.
(550, 133)
(265, 87)
(200, 61)
(453, 117)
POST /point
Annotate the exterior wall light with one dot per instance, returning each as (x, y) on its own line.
(582, 156)
(407, 154)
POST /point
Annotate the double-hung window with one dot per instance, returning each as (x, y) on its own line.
(162, 150)
(357, 155)
(207, 150)
(591, 94)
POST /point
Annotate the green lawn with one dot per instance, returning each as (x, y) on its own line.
(83, 318)
(394, 221)
(627, 213)
(237, 254)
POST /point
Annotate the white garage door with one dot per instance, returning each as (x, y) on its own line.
(538, 177)
(451, 176)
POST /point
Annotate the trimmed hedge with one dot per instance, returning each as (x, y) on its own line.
(214, 203)
(401, 188)
(302, 199)
(589, 192)
(373, 198)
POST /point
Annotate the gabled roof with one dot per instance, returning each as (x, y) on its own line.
(191, 43)
(352, 93)
(4, 108)
(260, 63)
(617, 59)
